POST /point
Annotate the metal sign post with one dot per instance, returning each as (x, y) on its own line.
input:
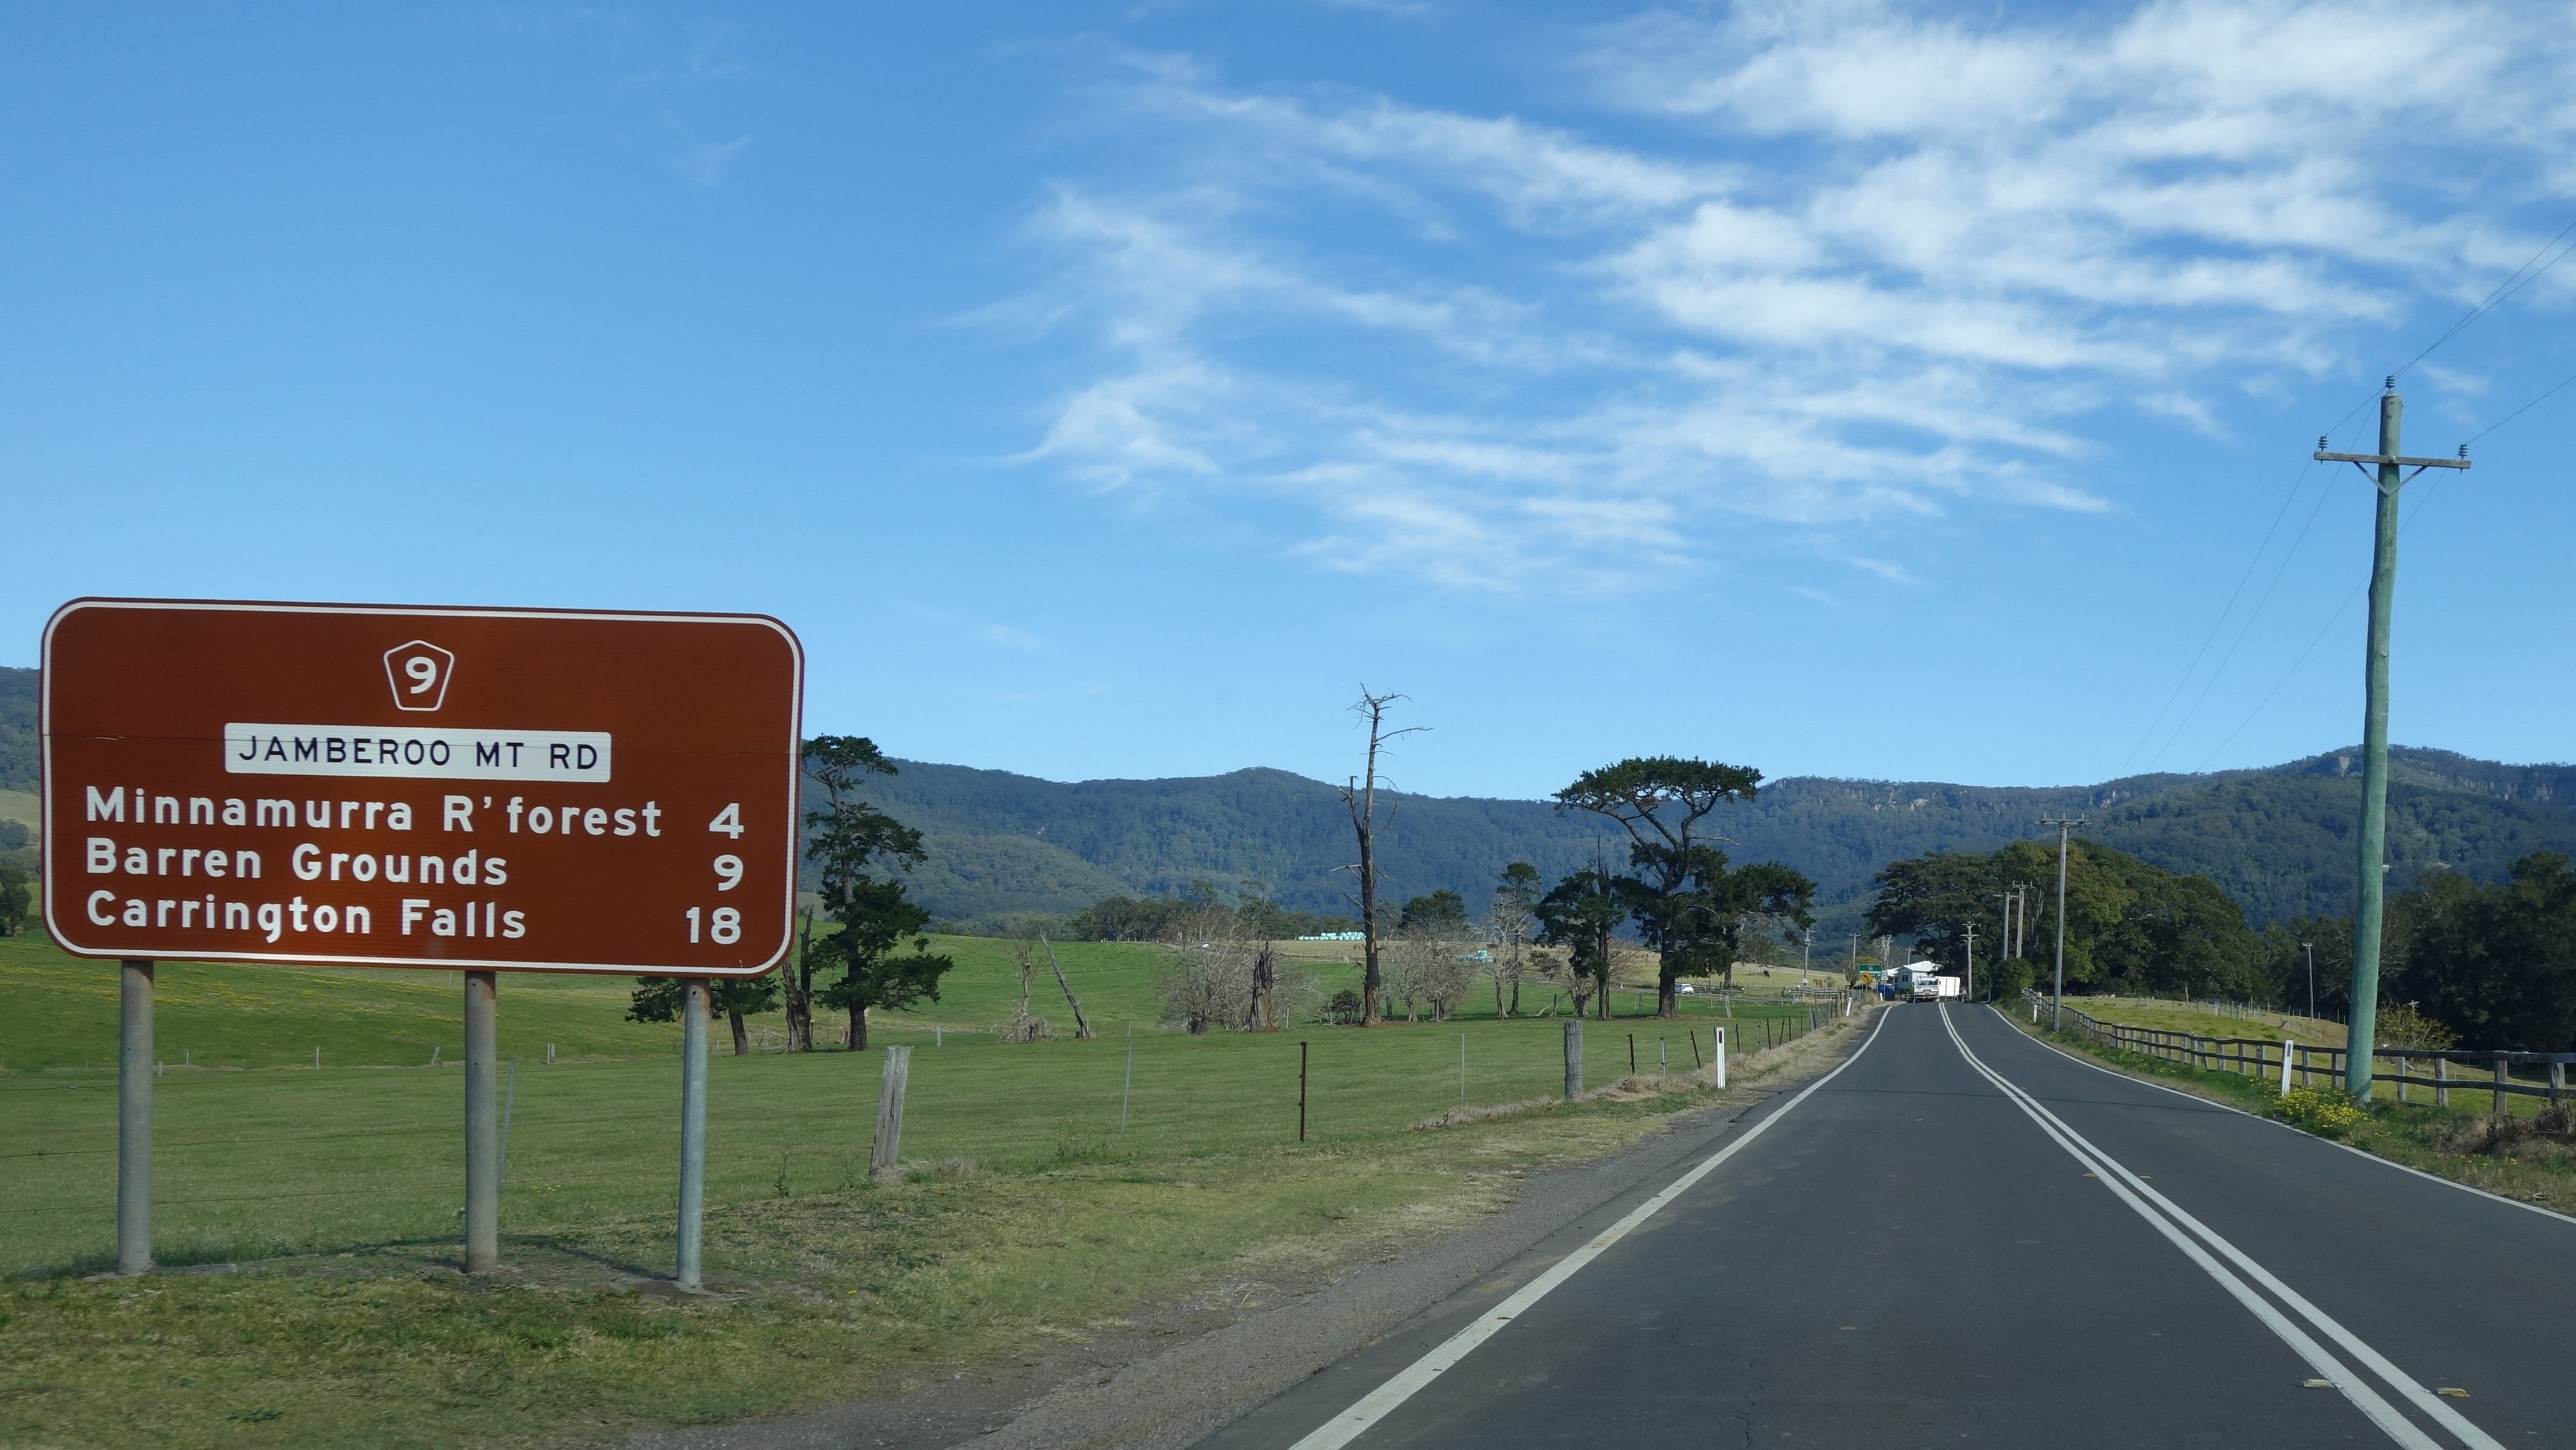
(693, 1126)
(134, 1119)
(482, 1125)
(474, 790)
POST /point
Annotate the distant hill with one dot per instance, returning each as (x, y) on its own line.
(18, 745)
(2279, 839)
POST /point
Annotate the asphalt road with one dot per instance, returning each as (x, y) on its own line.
(1963, 1237)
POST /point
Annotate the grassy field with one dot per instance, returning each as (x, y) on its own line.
(23, 806)
(2535, 1161)
(309, 1218)
(2189, 1017)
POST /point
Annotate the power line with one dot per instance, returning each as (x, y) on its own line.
(2250, 618)
(2518, 412)
(2496, 298)
(2331, 621)
(2521, 277)
(2323, 497)
(2297, 482)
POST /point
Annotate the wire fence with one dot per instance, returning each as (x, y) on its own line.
(252, 1164)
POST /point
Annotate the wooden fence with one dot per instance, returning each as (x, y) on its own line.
(2292, 1063)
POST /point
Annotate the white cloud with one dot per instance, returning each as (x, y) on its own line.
(1835, 268)
(1007, 636)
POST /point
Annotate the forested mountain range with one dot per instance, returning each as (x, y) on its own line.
(2279, 839)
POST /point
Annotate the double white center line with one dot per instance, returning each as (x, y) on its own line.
(2190, 1235)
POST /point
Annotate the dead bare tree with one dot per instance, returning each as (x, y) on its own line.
(1024, 933)
(1221, 977)
(1081, 1025)
(1511, 925)
(1265, 979)
(1360, 796)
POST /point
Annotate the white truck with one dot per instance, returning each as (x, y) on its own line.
(1922, 982)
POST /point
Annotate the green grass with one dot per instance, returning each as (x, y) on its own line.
(64, 1015)
(2186, 1017)
(25, 807)
(308, 1218)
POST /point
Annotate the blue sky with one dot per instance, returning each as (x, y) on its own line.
(1847, 389)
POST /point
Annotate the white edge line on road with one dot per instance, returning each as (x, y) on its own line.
(1347, 1426)
(2137, 1193)
(2360, 1153)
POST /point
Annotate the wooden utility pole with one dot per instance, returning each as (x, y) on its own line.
(2389, 477)
(2057, 1000)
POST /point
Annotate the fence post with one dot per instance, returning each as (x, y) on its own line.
(898, 1066)
(2441, 1082)
(1717, 1046)
(1301, 1090)
(1573, 1057)
(2285, 1067)
(2499, 1085)
(134, 1073)
(1128, 1084)
(1632, 1054)
(2557, 1081)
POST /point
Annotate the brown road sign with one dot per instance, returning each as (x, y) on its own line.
(537, 790)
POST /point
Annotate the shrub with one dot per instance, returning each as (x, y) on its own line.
(2402, 1026)
(2326, 1112)
(2548, 1136)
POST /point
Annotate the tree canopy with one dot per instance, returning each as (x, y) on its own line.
(2129, 926)
(1687, 903)
(2494, 963)
(850, 842)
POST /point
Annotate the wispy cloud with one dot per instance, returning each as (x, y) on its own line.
(1810, 271)
(1008, 636)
